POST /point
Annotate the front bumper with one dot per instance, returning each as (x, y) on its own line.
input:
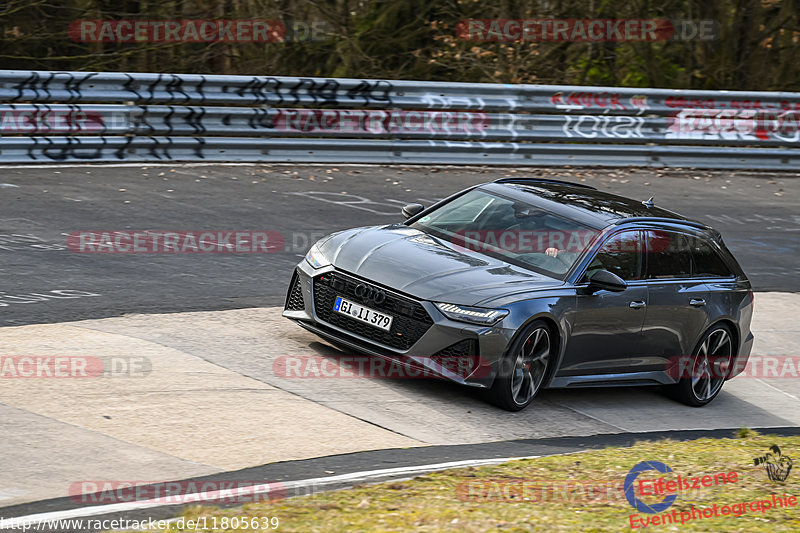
(440, 337)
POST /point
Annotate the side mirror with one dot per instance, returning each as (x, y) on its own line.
(412, 209)
(605, 280)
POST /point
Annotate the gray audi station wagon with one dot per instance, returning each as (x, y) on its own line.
(534, 283)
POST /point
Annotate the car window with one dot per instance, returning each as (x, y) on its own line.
(706, 261)
(668, 255)
(621, 254)
(466, 212)
(514, 231)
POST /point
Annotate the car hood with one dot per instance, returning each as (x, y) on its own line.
(427, 267)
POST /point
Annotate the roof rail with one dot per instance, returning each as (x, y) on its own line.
(542, 180)
(682, 221)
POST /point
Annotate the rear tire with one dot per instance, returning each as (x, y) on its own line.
(523, 368)
(710, 364)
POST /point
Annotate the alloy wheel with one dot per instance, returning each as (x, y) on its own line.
(530, 366)
(711, 364)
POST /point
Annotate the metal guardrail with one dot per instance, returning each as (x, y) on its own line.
(88, 117)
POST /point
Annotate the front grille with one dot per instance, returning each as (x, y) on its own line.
(410, 322)
(294, 299)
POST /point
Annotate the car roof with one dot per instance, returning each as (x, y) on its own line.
(580, 202)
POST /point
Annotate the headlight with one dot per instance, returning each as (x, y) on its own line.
(473, 315)
(316, 259)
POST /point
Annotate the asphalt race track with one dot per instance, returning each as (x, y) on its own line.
(756, 213)
(209, 325)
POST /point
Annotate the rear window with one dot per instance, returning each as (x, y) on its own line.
(677, 255)
(668, 255)
(706, 261)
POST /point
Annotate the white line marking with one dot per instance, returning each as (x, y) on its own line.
(8, 494)
(352, 477)
(790, 395)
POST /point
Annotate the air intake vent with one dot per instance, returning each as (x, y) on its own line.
(294, 299)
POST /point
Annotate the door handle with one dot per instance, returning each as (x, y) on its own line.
(637, 305)
(697, 302)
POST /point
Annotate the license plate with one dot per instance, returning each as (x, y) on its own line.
(362, 314)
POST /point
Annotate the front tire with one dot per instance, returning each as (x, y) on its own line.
(710, 364)
(523, 368)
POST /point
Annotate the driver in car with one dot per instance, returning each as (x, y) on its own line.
(521, 212)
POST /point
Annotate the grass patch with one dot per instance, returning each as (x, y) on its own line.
(443, 501)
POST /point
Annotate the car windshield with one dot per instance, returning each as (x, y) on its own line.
(516, 232)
